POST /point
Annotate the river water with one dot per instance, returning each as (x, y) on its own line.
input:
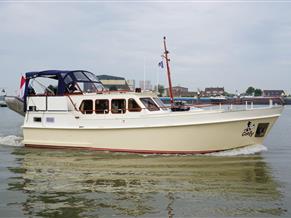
(249, 182)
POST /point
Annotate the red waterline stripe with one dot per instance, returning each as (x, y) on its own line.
(120, 150)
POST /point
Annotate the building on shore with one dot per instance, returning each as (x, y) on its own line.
(213, 91)
(179, 91)
(273, 93)
(190, 94)
(113, 82)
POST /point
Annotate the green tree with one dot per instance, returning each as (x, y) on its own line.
(258, 92)
(250, 90)
(161, 90)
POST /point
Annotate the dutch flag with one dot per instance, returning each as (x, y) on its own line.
(22, 87)
(161, 64)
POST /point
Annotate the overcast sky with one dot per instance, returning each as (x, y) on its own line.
(229, 44)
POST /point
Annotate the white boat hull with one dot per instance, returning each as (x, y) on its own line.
(220, 131)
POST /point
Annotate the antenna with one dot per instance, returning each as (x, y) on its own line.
(168, 72)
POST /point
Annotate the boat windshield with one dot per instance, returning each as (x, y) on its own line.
(149, 104)
(82, 81)
(160, 103)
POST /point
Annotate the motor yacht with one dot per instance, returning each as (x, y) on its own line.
(76, 112)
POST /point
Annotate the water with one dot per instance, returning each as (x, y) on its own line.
(249, 182)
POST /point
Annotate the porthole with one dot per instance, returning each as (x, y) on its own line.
(261, 129)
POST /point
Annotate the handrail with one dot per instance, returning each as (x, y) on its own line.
(113, 91)
(74, 105)
(105, 111)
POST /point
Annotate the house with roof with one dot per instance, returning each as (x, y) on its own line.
(273, 93)
(113, 83)
(178, 91)
(213, 91)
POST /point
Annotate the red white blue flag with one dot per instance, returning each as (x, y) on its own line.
(22, 87)
(161, 64)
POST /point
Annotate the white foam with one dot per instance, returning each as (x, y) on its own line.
(11, 140)
(252, 149)
(248, 150)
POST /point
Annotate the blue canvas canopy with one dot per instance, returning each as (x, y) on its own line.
(46, 73)
(64, 78)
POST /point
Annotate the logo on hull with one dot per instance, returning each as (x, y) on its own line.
(249, 130)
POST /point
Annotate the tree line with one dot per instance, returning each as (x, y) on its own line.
(253, 91)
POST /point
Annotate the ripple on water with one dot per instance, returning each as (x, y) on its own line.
(252, 149)
(11, 140)
(130, 184)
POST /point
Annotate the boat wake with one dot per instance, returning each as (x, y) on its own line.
(252, 149)
(11, 140)
(248, 150)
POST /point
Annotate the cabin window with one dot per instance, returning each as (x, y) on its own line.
(101, 106)
(42, 86)
(261, 129)
(31, 108)
(86, 107)
(149, 104)
(89, 87)
(118, 106)
(37, 119)
(160, 103)
(68, 79)
(133, 106)
(91, 76)
(80, 76)
(51, 90)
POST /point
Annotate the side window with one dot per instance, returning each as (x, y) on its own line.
(118, 106)
(160, 103)
(86, 107)
(101, 106)
(133, 106)
(149, 104)
(42, 86)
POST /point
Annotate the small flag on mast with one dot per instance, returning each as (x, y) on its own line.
(161, 64)
(22, 87)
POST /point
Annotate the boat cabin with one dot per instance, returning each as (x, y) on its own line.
(81, 91)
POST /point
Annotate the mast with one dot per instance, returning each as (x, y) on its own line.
(168, 72)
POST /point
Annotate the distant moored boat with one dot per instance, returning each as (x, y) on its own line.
(2, 98)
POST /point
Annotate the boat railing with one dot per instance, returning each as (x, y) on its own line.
(249, 105)
(33, 106)
(44, 103)
(49, 108)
